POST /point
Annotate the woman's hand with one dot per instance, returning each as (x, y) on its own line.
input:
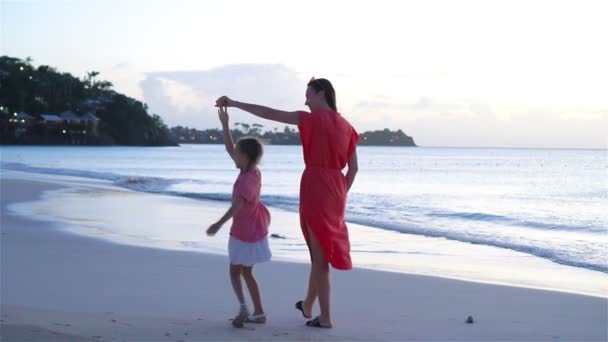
(222, 113)
(213, 229)
(225, 101)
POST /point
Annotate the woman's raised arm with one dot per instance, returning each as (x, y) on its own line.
(292, 118)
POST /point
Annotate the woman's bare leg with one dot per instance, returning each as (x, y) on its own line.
(311, 295)
(320, 278)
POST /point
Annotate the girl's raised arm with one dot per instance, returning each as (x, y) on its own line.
(228, 142)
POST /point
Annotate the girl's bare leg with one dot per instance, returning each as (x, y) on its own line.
(254, 290)
(237, 286)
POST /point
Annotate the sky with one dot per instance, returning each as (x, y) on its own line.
(449, 73)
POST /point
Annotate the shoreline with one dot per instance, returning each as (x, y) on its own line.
(99, 209)
(100, 290)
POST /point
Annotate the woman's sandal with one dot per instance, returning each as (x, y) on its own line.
(299, 307)
(316, 324)
(258, 319)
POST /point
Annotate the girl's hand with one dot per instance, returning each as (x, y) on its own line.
(213, 229)
(222, 112)
(225, 101)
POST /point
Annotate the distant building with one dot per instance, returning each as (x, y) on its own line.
(90, 121)
(22, 118)
(51, 125)
(70, 117)
(21, 121)
(89, 117)
(51, 119)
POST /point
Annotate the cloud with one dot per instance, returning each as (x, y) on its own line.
(188, 97)
(182, 96)
(424, 106)
(450, 121)
(121, 65)
(586, 115)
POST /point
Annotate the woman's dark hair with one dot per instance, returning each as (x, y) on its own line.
(252, 148)
(319, 84)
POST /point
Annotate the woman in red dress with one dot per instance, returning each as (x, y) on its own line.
(330, 144)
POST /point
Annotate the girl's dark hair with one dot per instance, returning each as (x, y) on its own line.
(319, 84)
(252, 148)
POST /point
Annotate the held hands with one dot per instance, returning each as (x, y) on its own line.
(222, 113)
(211, 231)
(224, 101)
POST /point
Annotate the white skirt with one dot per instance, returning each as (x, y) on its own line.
(248, 253)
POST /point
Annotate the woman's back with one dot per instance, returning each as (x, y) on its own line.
(327, 138)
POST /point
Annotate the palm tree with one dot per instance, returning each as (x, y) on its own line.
(257, 129)
(104, 86)
(92, 74)
(90, 79)
(243, 125)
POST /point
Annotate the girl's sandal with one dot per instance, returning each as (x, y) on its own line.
(258, 319)
(237, 322)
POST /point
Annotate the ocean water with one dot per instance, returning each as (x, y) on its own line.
(545, 202)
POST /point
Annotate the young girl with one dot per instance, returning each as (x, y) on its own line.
(248, 243)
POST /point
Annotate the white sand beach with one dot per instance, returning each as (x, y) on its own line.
(57, 285)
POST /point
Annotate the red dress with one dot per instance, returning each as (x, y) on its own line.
(328, 141)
